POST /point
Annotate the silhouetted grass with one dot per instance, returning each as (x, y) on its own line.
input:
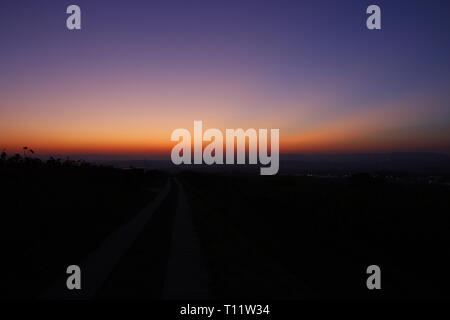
(56, 212)
(310, 237)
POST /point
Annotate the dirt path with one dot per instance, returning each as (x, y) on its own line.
(187, 274)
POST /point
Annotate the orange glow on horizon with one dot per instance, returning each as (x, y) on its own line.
(131, 121)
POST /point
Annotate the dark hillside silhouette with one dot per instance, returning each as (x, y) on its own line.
(274, 237)
(55, 212)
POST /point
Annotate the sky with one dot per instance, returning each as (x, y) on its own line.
(137, 70)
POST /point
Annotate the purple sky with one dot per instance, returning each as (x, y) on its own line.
(139, 69)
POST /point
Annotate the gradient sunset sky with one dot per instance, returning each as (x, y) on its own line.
(140, 69)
